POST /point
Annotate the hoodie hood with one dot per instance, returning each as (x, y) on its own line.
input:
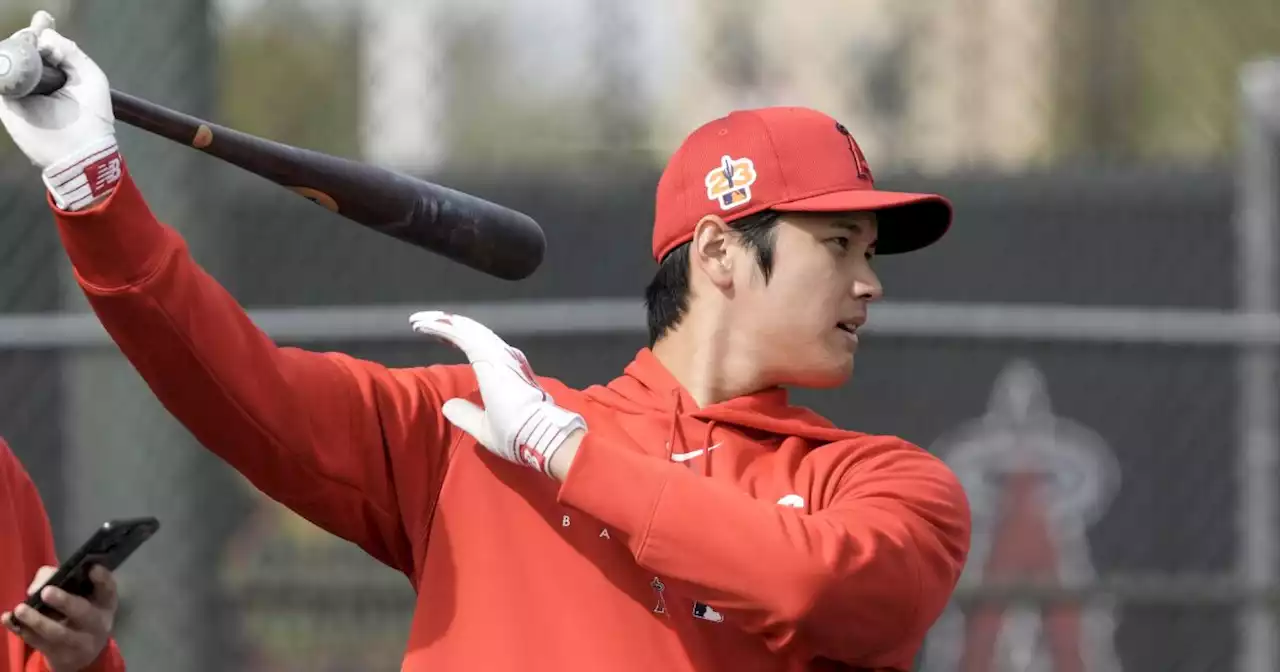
(646, 387)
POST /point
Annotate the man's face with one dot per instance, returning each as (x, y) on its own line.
(801, 324)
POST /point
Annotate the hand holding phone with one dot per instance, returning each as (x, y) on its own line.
(110, 545)
(74, 628)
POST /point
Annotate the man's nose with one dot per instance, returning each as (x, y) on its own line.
(867, 287)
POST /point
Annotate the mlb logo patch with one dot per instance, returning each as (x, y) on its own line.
(706, 613)
(729, 184)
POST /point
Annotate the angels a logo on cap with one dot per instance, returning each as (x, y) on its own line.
(730, 183)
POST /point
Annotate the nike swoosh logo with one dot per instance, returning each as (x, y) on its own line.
(685, 457)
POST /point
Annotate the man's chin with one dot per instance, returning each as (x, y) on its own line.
(825, 377)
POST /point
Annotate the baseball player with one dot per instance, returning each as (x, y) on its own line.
(683, 516)
(36, 643)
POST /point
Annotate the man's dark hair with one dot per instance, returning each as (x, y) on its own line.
(667, 296)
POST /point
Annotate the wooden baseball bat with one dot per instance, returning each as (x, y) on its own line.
(472, 231)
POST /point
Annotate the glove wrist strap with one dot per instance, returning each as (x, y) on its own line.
(77, 181)
(544, 433)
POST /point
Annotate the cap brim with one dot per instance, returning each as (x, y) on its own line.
(906, 221)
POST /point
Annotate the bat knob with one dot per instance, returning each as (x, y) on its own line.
(20, 66)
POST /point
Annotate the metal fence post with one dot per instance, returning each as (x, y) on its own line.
(1257, 223)
(126, 456)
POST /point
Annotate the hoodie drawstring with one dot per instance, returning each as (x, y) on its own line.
(706, 445)
(675, 430)
(675, 424)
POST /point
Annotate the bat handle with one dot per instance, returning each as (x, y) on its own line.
(51, 79)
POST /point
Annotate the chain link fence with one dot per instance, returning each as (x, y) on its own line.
(1092, 347)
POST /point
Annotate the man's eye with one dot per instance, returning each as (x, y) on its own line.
(842, 242)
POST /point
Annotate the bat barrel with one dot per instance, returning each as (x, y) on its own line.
(472, 231)
(488, 237)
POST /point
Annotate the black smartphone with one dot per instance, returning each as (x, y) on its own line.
(109, 546)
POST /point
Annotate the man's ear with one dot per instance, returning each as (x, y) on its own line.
(710, 251)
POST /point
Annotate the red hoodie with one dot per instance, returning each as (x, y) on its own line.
(27, 546)
(749, 535)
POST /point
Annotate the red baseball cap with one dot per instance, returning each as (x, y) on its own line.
(789, 159)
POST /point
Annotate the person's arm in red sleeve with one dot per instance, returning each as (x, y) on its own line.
(860, 581)
(109, 660)
(324, 434)
(36, 549)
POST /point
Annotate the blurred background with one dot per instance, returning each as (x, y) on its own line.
(1093, 347)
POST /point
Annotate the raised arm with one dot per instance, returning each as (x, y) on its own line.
(323, 433)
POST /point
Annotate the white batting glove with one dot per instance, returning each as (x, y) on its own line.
(70, 133)
(520, 422)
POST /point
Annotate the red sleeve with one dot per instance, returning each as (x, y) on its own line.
(322, 433)
(109, 660)
(860, 581)
(38, 550)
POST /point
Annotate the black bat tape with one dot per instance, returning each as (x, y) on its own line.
(51, 79)
(488, 237)
(470, 230)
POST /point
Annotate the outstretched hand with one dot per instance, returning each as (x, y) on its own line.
(520, 422)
